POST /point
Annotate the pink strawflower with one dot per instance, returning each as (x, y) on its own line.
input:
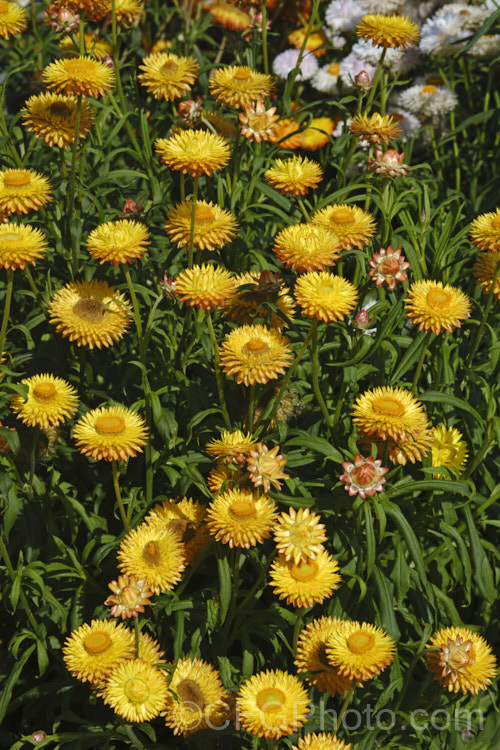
(388, 266)
(389, 163)
(364, 476)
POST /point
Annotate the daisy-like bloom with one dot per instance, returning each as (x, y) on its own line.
(428, 100)
(317, 41)
(388, 266)
(256, 289)
(389, 163)
(118, 241)
(360, 650)
(195, 151)
(364, 476)
(232, 447)
(264, 467)
(80, 76)
(136, 691)
(286, 134)
(223, 476)
(97, 48)
(324, 296)
(388, 31)
(305, 583)
(307, 247)
(436, 307)
(299, 535)
(205, 286)
(23, 190)
(343, 15)
(154, 554)
(448, 448)
(317, 134)
(311, 656)
(13, 19)
(20, 244)
(485, 231)
(485, 268)
(93, 651)
(229, 16)
(295, 176)
(239, 86)
(128, 12)
(272, 704)
(376, 128)
(240, 518)
(112, 433)
(213, 227)
(255, 354)
(92, 313)
(351, 224)
(186, 519)
(130, 596)
(168, 76)
(389, 413)
(326, 79)
(52, 117)
(258, 123)
(196, 697)
(460, 660)
(412, 448)
(321, 741)
(50, 401)
(286, 62)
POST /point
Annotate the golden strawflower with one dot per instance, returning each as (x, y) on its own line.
(130, 596)
(287, 134)
(50, 401)
(118, 241)
(80, 76)
(13, 19)
(321, 741)
(393, 31)
(461, 660)
(485, 271)
(239, 86)
(52, 117)
(305, 583)
(95, 47)
(317, 41)
(232, 447)
(186, 518)
(307, 247)
(195, 151)
(168, 76)
(136, 691)
(196, 697)
(435, 307)
(311, 657)
(389, 413)
(485, 231)
(112, 433)
(229, 16)
(205, 286)
(240, 518)
(93, 651)
(20, 244)
(375, 128)
(353, 226)
(23, 190)
(324, 296)
(265, 466)
(272, 704)
(128, 12)
(213, 227)
(154, 554)
(448, 448)
(360, 651)
(295, 176)
(299, 535)
(254, 354)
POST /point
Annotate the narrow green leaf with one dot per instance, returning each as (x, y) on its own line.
(453, 533)
(445, 398)
(370, 539)
(412, 543)
(7, 687)
(482, 567)
(385, 602)
(225, 586)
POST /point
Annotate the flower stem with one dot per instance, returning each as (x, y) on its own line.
(33, 288)
(345, 705)
(6, 309)
(486, 313)
(118, 494)
(421, 361)
(218, 373)
(72, 188)
(376, 80)
(265, 60)
(303, 208)
(315, 379)
(298, 625)
(193, 222)
(137, 632)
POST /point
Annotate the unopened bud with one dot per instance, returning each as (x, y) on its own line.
(131, 208)
(38, 736)
(362, 320)
(363, 80)
(108, 61)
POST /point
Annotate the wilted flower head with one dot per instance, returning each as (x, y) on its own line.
(388, 266)
(389, 163)
(363, 476)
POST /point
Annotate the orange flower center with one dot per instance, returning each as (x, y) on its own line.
(333, 69)
(204, 214)
(151, 554)
(388, 406)
(360, 642)
(190, 692)
(428, 89)
(496, 222)
(97, 642)
(90, 309)
(342, 215)
(59, 109)
(243, 74)
(44, 391)
(271, 700)
(4, 6)
(169, 67)
(256, 346)
(18, 178)
(438, 298)
(242, 510)
(304, 571)
(137, 690)
(389, 267)
(110, 425)
(83, 68)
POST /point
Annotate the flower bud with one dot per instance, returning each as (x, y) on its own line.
(363, 80)
(38, 736)
(362, 320)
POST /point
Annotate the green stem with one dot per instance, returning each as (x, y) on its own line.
(13, 576)
(376, 80)
(484, 320)
(435, 151)
(235, 576)
(298, 625)
(251, 408)
(315, 378)
(265, 60)
(72, 189)
(303, 208)
(118, 495)
(137, 632)
(258, 582)
(421, 361)
(133, 738)
(193, 222)
(6, 309)
(218, 374)
(290, 81)
(345, 704)
(39, 298)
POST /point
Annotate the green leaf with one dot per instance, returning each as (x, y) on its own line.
(225, 585)
(385, 604)
(482, 567)
(370, 539)
(318, 445)
(453, 533)
(7, 687)
(450, 486)
(445, 398)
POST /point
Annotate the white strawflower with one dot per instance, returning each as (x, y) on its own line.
(351, 65)
(343, 15)
(285, 62)
(487, 47)
(428, 100)
(326, 79)
(385, 7)
(336, 40)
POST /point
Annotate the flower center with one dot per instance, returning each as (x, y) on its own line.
(59, 109)
(326, 290)
(190, 692)
(17, 178)
(322, 657)
(389, 406)
(389, 267)
(447, 454)
(271, 700)
(428, 89)
(80, 68)
(333, 69)
(4, 6)
(256, 346)
(169, 67)
(90, 309)
(438, 298)
(496, 222)
(242, 510)
(137, 690)
(364, 475)
(360, 642)
(44, 391)
(110, 425)
(97, 642)
(242, 74)
(342, 215)
(300, 535)
(204, 214)
(305, 571)
(151, 553)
